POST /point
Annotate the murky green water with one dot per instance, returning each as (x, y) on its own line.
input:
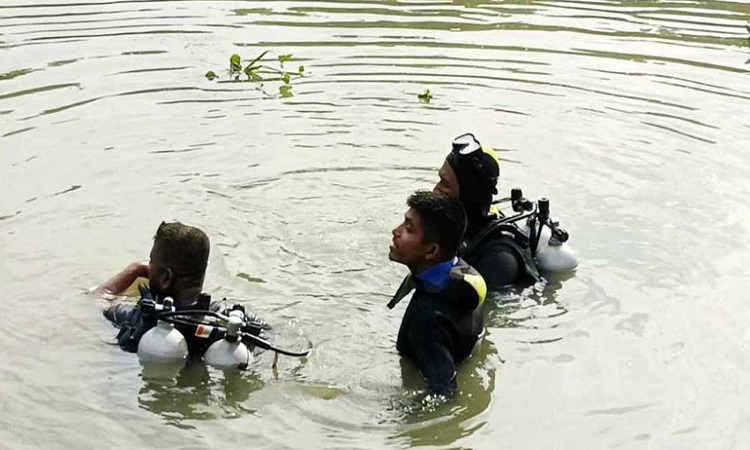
(631, 116)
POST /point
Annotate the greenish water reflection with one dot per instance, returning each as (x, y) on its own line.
(449, 421)
(197, 393)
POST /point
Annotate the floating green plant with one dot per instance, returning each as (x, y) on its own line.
(259, 71)
(425, 96)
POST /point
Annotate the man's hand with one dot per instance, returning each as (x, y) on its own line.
(123, 280)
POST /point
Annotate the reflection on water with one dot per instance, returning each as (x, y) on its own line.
(513, 307)
(444, 422)
(196, 393)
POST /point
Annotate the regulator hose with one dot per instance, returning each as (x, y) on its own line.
(173, 317)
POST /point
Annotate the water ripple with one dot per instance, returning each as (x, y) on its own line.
(629, 112)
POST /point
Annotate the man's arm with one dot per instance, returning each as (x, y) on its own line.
(431, 343)
(120, 282)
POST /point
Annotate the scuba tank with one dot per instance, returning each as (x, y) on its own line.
(162, 343)
(230, 352)
(157, 331)
(553, 254)
(548, 240)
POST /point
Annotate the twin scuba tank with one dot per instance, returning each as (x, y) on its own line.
(164, 343)
(547, 239)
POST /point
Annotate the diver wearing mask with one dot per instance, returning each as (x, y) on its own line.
(470, 173)
(176, 271)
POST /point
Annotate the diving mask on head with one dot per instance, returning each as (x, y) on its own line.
(466, 144)
(473, 163)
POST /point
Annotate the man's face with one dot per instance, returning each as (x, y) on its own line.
(448, 184)
(408, 246)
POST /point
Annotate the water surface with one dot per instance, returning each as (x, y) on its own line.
(630, 116)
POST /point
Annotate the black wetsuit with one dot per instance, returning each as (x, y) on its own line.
(442, 322)
(502, 257)
(128, 318)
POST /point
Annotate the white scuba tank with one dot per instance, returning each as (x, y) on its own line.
(230, 352)
(163, 343)
(552, 253)
(556, 256)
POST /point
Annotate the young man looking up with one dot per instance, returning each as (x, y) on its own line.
(444, 318)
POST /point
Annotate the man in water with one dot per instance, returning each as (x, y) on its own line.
(469, 174)
(444, 318)
(176, 269)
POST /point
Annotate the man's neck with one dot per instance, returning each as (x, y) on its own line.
(187, 296)
(416, 269)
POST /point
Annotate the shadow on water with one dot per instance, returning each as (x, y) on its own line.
(196, 393)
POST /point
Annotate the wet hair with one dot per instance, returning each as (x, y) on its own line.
(443, 220)
(184, 248)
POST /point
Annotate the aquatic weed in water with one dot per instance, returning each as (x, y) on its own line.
(425, 96)
(259, 71)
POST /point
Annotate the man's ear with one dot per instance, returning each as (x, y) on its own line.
(432, 252)
(166, 278)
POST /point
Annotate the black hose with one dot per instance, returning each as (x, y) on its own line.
(516, 218)
(264, 344)
(501, 200)
(191, 312)
(256, 340)
(188, 322)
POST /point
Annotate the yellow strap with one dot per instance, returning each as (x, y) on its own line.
(477, 282)
(494, 210)
(492, 153)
